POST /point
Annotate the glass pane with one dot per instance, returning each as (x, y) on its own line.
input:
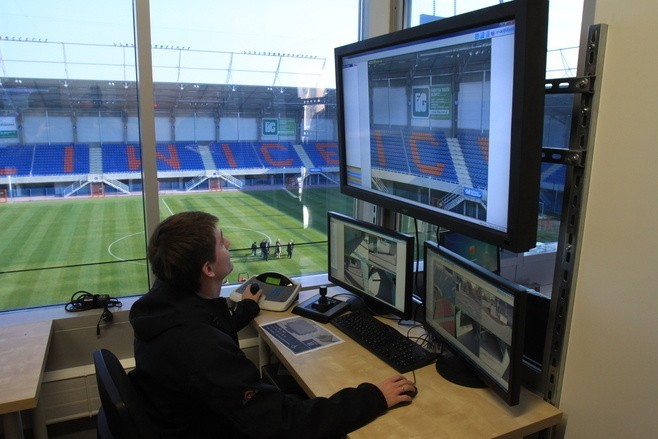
(562, 57)
(70, 199)
(245, 121)
(564, 23)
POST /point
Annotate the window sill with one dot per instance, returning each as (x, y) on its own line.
(57, 312)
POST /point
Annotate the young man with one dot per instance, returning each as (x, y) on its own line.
(190, 369)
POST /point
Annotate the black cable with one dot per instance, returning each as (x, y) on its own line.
(84, 301)
(107, 317)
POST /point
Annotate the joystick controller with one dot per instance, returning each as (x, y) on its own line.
(320, 307)
(254, 288)
(323, 303)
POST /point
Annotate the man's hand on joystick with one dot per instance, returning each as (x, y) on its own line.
(253, 293)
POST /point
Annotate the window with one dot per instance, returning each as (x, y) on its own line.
(251, 88)
(564, 23)
(233, 86)
(562, 57)
(244, 128)
(69, 222)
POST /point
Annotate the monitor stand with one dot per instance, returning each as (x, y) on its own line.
(456, 370)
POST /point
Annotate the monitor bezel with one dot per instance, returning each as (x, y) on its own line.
(375, 305)
(511, 395)
(531, 24)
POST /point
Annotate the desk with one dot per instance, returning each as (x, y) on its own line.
(24, 349)
(440, 410)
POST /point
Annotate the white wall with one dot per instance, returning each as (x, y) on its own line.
(194, 127)
(610, 384)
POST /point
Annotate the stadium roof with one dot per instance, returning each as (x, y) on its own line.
(18, 95)
(42, 74)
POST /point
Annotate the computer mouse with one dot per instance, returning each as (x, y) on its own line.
(413, 392)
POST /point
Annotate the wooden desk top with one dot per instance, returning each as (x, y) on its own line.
(24, 349)
(440, 410)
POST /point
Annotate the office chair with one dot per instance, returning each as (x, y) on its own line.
(122, 413)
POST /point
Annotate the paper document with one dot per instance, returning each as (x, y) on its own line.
(301, 335)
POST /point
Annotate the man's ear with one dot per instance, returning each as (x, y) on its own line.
(207, 270)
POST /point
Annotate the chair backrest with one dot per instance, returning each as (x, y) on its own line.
(122, 407)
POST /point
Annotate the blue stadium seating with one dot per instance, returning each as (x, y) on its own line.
(429, 146)
(387, 152)
(237, 155)
(415, 152)
(60, 159)
(234, 155)
(180, 156)
(121, 157)
(475, 150)
(322, 153)
(16, 160)
(63, 159)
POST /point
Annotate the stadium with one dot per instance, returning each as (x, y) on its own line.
(78, 139)
(206, 151)
(195, 158)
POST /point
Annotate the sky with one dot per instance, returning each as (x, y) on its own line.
(291, 25)
(311, 28)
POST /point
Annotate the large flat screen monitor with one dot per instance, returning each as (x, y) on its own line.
(443, 121)
(372, 262)
(479, 317)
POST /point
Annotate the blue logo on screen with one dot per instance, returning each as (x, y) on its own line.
(473, 193)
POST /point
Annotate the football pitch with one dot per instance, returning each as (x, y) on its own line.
(51, 249)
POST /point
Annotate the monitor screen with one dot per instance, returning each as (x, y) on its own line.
(484, 254)
(372, 262)
(443, 121)
(479, 316)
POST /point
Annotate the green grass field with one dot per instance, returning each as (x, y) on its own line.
(51, 249)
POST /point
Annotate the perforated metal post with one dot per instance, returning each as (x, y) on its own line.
(585, 89)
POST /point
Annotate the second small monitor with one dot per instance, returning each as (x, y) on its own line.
(372, 262)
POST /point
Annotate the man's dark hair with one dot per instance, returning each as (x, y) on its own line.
(179, 246)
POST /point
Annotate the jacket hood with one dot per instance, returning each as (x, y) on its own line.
(162, 308)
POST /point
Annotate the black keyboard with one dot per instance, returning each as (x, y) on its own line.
(398, 351)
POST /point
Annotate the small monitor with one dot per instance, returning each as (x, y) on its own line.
(372, 262)
(482, 253)
(479, 316)
(443, 121)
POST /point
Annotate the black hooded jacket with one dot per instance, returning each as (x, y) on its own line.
(199, 384)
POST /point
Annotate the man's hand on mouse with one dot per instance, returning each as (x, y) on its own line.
(253, 293)
(397, 389)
